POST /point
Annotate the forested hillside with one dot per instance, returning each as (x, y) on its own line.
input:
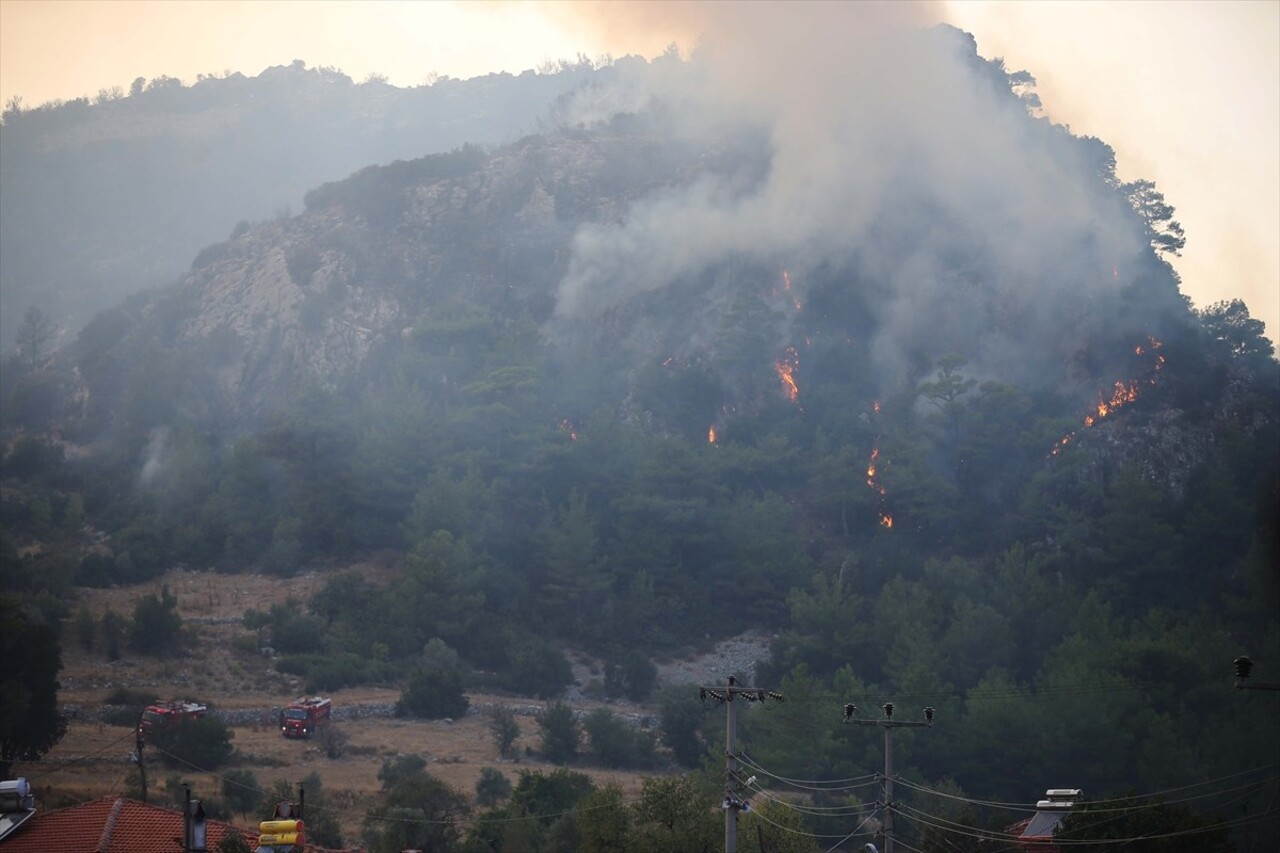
(103, 197)
(930, 407)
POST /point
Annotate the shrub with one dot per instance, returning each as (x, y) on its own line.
(504, 728)
(86, 627)
(333, 740)
(156, 628)
(241, 791)
(615, 743)
(434, 689)
(203, 742)
(538, 669)
(96, 570)
(492, 787)
(327, 672)
(633, 676)
(560, 733)
(681, 715)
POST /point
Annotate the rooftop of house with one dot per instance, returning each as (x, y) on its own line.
(112, 825)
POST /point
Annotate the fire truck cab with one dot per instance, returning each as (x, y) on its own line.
(168, 713)
(303, 717)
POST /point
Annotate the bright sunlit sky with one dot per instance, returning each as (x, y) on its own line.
(1188, 93)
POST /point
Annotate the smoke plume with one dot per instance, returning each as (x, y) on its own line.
(893, 143)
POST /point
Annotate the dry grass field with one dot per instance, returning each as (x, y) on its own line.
(91, 760)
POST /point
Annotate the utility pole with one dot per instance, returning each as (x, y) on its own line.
(142, 767)
(733, 802)
(888, 723)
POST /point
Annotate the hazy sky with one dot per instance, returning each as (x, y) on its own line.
(1188, 93)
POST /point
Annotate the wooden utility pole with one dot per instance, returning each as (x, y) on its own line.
(733, 801)
(142, 766)
(888, 723)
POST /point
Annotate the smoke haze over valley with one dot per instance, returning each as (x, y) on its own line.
(810, 336)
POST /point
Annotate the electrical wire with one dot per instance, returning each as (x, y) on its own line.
(855, 831)
(1114, 685)
(827, 785)
(1031, 807)
(79, 758)
(814, 835)
(916, 816)
(817, 811)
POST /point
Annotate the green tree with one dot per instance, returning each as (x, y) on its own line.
(560, 733)
(603, 822)
(492, 787)
(322, 821)
(29, 720)
(633, 676)
(86, 627)
(203, 742)
(1229, 323)
(1156, 214)
(417, 811)
(434, 688)
(504, 729)
(114, 629)
(241, 791)
(613, 742)
(156, 628)
(576, 577)
(677, 814)
(681, 715)
(35, 334)
(395, 770)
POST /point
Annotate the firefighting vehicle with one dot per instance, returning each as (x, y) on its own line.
(169, 713)
(303, 717)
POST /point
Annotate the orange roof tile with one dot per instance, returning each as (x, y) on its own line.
(112, 825)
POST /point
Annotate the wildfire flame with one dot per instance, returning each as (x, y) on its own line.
(873, 482)
(1122, 393)
(875, 406)
(786, 368)
(711, 435)
(786, 286)
(567, 426)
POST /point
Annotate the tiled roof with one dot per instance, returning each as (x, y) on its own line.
(112, 825)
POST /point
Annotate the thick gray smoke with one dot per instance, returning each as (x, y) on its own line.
(892, 144)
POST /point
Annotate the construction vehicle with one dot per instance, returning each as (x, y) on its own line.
(169, 713)
(305, 716)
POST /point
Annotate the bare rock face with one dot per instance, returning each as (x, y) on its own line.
(306, 300)
(280, 308)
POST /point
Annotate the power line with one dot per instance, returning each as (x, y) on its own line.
(730, 695)
(79, 758)
(1161, 793)
(821, 785)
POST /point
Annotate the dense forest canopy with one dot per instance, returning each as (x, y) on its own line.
(913, 389)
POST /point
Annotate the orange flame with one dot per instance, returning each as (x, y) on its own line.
(1122, 393)
(711, 435)
(875, 406)
(873, 482)
(567, 426)
(786, 368)
(786, 286)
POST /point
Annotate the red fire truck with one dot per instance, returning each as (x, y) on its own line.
(168, 713)
(303, 717)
